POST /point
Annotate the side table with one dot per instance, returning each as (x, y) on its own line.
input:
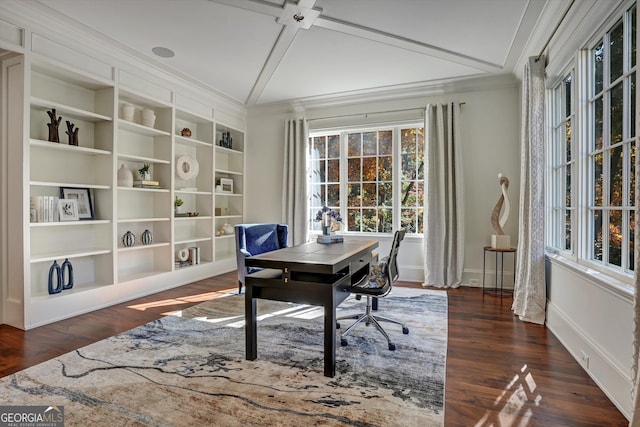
(499, 253)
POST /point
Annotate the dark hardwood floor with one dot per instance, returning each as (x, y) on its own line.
(500, 371)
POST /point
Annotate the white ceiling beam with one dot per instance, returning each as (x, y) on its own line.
(285, 39)
(405, 43)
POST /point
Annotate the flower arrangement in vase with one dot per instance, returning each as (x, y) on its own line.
(144, 173)
(177, 203)
(329, 219)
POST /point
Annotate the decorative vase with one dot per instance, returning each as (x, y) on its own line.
(67, 274)
(148, 117)
(126, 111)
(147, 237)
(144, 176)
(326, 224)
(129, 239)
(125, 177)
(228, 229)
(55, 275)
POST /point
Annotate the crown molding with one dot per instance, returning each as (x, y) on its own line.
(414, 90)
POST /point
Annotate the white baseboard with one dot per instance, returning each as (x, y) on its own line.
(605, 372)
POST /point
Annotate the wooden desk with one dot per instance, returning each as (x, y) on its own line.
(312, 273)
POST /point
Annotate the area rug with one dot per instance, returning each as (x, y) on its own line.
(189, 369)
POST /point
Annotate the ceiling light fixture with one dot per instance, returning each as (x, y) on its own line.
(163, 52)
(298, 17)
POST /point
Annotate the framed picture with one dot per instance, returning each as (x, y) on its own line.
(82, 196)
(68, 209)
(227, 185)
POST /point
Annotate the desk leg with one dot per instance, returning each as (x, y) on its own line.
(250, 324)
(330, 338)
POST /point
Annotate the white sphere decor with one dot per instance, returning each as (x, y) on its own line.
(187, 167)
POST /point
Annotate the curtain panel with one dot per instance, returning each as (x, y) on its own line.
(530, 293)
(443, 197)
(295, 202)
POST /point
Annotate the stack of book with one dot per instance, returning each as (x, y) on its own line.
(143, 183)
(44, 209)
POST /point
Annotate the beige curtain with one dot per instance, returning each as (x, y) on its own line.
(530, 293)
(443, 197)
(295, 204)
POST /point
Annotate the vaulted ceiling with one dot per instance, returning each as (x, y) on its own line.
(265, 51)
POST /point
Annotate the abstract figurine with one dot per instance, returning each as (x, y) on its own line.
(73, 134)
(53, 126)
(500, 240)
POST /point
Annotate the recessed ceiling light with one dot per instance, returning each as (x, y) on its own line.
(163, 52)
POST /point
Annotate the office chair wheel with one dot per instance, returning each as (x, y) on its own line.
(343, 342)
(405, 330)
(392, 346)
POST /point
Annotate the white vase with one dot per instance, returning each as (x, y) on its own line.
(125, 177)
(126, 111)
(148, 117)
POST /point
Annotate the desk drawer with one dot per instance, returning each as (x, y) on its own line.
(360, 263)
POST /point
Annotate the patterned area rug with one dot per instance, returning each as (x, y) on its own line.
(190, 369)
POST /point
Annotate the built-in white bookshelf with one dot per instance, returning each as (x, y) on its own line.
(229, 165)
(183, 135)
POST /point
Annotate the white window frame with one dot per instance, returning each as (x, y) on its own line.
(582, 173)
(395, 127)
(557, 120)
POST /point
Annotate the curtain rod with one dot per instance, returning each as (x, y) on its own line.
(553, 33)
(370, 112)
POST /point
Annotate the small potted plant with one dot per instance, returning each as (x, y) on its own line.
(177, 203)
(144, 173)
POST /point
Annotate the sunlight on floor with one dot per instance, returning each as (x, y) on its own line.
(513, 408)
(190, 299)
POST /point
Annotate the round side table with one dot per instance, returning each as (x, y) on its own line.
(499, 256)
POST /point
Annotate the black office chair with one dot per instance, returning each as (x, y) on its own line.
(376, 285)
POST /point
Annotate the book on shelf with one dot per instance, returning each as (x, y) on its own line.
(43, 209)
(180, 264)
(145, 183)
(194, 254)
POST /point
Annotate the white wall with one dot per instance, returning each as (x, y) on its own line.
(490, 129)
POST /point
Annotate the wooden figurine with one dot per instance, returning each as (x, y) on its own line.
(73, 134)
(53, 126)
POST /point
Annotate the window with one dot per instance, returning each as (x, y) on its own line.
(561, 161)
(358, 173)
(592, 181)
(611, 146)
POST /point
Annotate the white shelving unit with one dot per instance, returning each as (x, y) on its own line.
(193, 150)
(87, 103)
(229, 164)
(140, 209)
(105, 270)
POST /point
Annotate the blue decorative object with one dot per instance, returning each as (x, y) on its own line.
(55, 275)
(146, 238)
(67, 274)
(129, 239)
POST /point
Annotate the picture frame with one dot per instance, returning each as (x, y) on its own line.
(227, 185)
(83, 201)
(68, 209)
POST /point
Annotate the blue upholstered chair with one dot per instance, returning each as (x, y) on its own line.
(255, 239)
